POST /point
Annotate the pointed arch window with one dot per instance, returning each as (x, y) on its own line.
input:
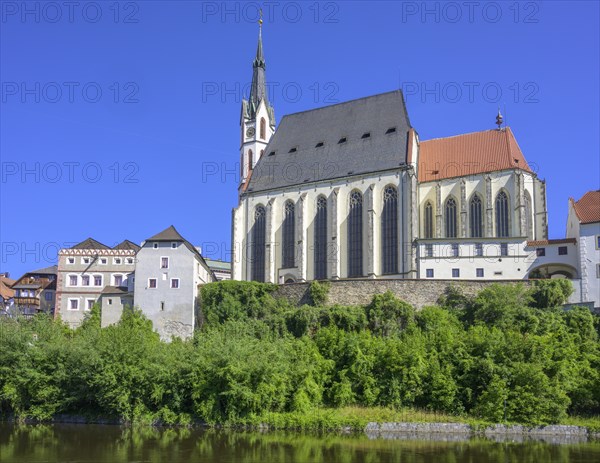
(451, 218)
(428, 220)
(250, 160)
(475, 217)
(389, 230)
(263, 128)
(502, 229)
(321, 239)
(355, 235)
(258, 244)
(288, 230)
(528, 219)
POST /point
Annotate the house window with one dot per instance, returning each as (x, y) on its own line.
(118, 280)
(429, 273)
(428, 220)
(263, 128)
(562, 251)
(355, 235)
(504, 249)
(73, 304)
(258, 244)
(540, 252)
(85, 260)
(288, 230)
(85, 280)
(478, 249)
(103, 261)
(155, 245)
(162, 305)
(321, 239)
(455, 250)
(455, 273)
(73, 280)
(174, 283)
(97, 280)
(502, 215)
(130, 260)
(70, 260)
(451, 218)
(110, 302)
(48, 296)
(479, 272)
(389, 230)
(164, 262)
(117, 261)
(598, 242)
(152, 283)
(429, 250)
(597, 270)
(90, 304)
(173, 245)
(475, 217)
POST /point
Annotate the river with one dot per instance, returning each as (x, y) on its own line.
(114, 444)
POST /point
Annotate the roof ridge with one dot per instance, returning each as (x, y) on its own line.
(461, 135)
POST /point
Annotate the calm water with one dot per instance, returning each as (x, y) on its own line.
(113, 444)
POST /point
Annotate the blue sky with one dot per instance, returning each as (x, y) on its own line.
(120, 119)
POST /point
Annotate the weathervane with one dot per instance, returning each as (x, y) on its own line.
(499, 119)
(260, 20)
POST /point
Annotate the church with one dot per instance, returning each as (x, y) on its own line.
(350, 191)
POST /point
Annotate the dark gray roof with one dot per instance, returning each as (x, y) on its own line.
(90, 243)
(53, 270)
(115, 290)
(351, 120)
(127, 245)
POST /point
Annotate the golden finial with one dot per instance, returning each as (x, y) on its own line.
(260, 20)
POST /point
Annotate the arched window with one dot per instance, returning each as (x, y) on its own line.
(288, 230)
(258, 244)
(263, 128)
(475, 217)
(355, 235)
(451, 218)
(321, 239)
(389, 230)
(528, 219)
(250, 160)
(428, 220)
(502, 215)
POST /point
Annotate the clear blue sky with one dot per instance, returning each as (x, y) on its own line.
(129, 162)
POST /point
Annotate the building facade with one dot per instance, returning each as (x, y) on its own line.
(169, 273)
(86, 271)
(35, 292)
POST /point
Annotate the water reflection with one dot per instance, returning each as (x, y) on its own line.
(96, 443)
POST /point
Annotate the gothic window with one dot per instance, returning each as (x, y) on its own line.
(288, 230)
(250, 160)
(528, 220)
(428, 220)
(502, 215)
(451, 218)
(258, 244)
(321, 239)
(475, 217)
(355, 235)
(389, 230)
(263, 128)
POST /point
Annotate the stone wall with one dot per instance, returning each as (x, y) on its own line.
(419, 293)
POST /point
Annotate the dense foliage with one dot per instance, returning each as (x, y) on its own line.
(508, 354)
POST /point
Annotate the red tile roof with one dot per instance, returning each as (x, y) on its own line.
(6, 292)
(550, 242)
(588, 207)
(469, 154)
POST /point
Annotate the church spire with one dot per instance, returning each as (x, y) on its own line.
(258, 90)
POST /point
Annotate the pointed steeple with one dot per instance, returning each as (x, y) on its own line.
(258, 90)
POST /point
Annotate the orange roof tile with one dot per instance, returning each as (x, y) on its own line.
(469, 154)
(588, 207)
(6, 292)
(549, 242)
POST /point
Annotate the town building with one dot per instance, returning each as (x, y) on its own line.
(88, 272)
(7, 294)
(169, 274)
(35, 292)
(221, 269)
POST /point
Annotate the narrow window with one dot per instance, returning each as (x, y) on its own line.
(390, 130)
(429, 250)
(288, 230)
(429, 273)
(118, 280)
(389, 231)
(455, 273)
(366, 135)
(155, 246)
(478, 249)
(321, 239)
(504, 249)
(355, 235)
(73, 280)
(528, 220)
(110, 302)
(451, 218)
(162, 305)
(263, 128)
(502, 215)
(164, 262)
(174, 283)
(320, 144)
(250, 161)
(90, 304)
(258, 244)
(173, 245)
(97, 280)
(152, 283)
(475, 217)
(342, 140)
(455, 250)
(428, 220)
(479, 272)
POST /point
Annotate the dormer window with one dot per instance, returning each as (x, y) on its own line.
(390, 130)
(366, 135)
(342, 140)
(272, 153)
(320, 144)
(173, 245)
(155, 245)
(293, 150)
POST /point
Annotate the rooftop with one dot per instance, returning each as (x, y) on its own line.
(587, 208)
